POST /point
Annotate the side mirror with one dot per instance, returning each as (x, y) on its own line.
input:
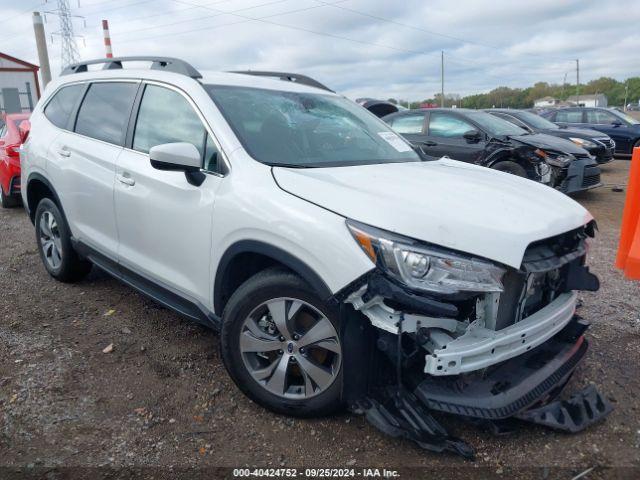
(472, 136)
(178, 157)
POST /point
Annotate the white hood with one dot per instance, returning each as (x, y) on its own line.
(457, 205)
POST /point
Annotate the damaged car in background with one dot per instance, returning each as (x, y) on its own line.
(599, 145)
(477, 137)
(341, 267)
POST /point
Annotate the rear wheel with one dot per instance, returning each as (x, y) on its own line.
(8, 201)
(54, 244)
(510, 167)
(281, 346)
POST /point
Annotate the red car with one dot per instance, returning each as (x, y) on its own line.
(12, 134)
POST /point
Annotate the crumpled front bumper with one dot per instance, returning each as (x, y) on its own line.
(524, 387)
(582, 174)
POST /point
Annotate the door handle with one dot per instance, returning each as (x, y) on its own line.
(63, 152)
(126, 180)
(427, 143)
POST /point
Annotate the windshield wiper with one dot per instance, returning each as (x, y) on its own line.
(288, 165)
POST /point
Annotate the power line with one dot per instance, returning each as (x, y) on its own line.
(136, 30)
(246, 20)
(420, 29)
(307, 30)
(28, 10)
(264, 19)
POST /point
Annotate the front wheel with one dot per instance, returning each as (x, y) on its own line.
(281, 346)
(510, 167)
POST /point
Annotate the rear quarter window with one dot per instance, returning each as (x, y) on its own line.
(61, 105)
(104, 113)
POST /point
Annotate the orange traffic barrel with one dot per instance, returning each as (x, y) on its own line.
(628, 258)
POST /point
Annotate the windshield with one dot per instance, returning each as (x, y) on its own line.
(495, 126)
(307, 129)
(627, 118)
(536, 121)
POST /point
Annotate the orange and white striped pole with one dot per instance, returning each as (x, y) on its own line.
(107, 39)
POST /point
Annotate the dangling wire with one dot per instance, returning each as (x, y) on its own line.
(399, 353)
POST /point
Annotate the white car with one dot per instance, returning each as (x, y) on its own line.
(332, 258)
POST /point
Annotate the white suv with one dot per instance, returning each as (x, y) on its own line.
(325, 249)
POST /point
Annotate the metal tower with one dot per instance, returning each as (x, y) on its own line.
(69, 49)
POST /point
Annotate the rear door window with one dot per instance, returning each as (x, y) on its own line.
(448, 126)
(61, 105)
(408, 124)
(569, 116)
(104, 113)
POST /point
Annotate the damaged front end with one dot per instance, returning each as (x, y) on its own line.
(465, 336)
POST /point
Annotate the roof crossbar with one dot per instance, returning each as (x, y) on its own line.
(167, 64)
(287, 77)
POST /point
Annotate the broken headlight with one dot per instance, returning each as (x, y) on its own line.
(555, 159)
(424, 267)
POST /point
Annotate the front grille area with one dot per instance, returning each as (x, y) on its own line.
(607, 142)
(541, 276)
(591, 176)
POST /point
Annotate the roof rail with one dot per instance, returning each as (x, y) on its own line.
(288, 77)
(167, 64)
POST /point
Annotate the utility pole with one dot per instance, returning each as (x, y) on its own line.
(626, 93)
(41, 45)
(442, 78)
(578, 81)
(564, 82)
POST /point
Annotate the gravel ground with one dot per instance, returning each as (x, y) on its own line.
(162, 402)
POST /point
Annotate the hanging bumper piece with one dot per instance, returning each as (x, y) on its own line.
(524, 388)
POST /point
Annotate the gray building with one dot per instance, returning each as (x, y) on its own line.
(19, 86)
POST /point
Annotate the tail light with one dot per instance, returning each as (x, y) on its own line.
(13, 150)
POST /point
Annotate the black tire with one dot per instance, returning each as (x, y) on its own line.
(267, 285)
(511, 167)
(70, 268)
(8, 201)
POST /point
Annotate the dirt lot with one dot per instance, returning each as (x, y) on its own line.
(162, 399)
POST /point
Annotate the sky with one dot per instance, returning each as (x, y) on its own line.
(360, 48)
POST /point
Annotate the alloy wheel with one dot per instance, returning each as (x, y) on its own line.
(50, 240)
(290, 348)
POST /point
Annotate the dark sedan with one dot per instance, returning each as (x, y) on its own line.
(598, 144)
(477, 137)
(622, 128)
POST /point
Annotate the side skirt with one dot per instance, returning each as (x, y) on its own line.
(189, 308)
